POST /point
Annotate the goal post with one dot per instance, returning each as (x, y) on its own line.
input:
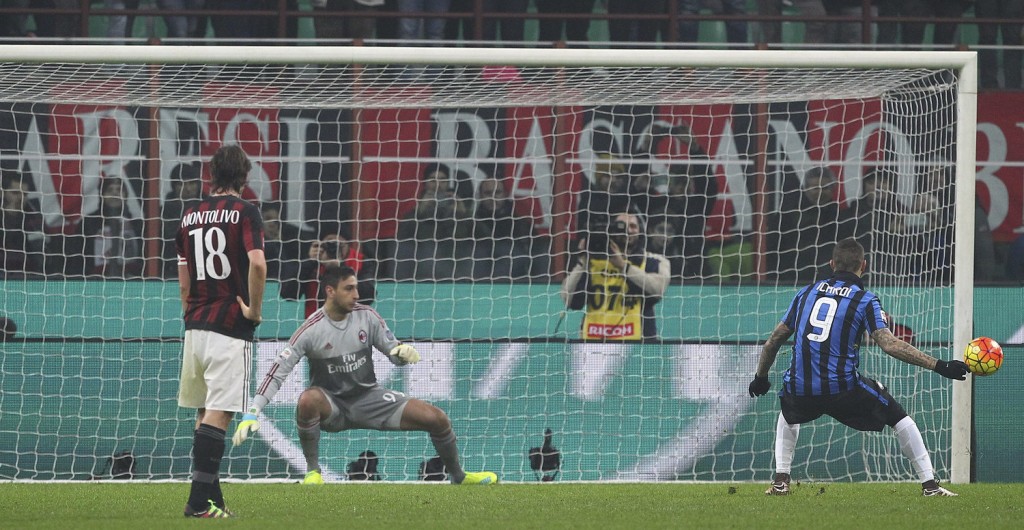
(347, 139)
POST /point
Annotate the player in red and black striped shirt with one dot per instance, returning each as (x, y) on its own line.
(222, 272)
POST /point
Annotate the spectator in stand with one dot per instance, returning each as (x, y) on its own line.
(645, 198)
(636, 30)
(735, 30)
(58, 25)
(845, 32)
(504, 241)
(198, 25)
(14, 25)
(21, 230)
(808, 225)
(361, 27)
(511, 29)
(1010, 34)
(873, 221)
(282, 243)
(662, 239)
(692, 191)
(232, 27)
(186, 190)
(933, 222)
(120, 27)
(461, 27)
(434, 238)
(914, 32)
(945, 33)
(858, 218)
(387, 27)
(243, 29)
(575, 29)
(607, 196)
(109, 240)
(430, 28)
(330, 250)
(814, 31)
(882, 223)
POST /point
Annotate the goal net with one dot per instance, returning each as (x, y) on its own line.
(464, 184)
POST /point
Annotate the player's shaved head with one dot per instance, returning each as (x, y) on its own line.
(847, 256)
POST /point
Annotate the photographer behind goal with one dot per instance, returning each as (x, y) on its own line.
(617, 281)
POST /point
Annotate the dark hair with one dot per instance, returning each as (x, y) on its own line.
(8, 178)
(334, 274)
(436, 167)
(822, 174)
(8, 329)
(185, 173)
(113, 181)
(229, 168)
(847, 256)
(267, 206)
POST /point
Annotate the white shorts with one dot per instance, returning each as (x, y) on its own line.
(215, 372)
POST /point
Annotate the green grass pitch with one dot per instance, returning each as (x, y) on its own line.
(579, 505)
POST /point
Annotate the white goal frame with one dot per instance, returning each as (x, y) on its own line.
(963, 63)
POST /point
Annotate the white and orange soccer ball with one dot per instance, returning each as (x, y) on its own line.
(983, 356)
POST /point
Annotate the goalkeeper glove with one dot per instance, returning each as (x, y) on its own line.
(951, 369)
(247, 426)
(759, 386)
(405, 353)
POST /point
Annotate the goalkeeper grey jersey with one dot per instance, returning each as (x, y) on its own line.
(339, 354)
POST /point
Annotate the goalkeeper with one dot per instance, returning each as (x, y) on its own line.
(338, 341)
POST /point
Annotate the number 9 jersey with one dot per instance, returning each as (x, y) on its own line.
(214, 239)
(829, 319)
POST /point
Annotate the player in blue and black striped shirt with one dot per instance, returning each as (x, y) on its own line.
(829, 319)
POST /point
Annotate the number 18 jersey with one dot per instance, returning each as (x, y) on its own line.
(214, 239)
(829, 319)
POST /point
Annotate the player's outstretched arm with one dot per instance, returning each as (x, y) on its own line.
(903, 351)
(760, 385)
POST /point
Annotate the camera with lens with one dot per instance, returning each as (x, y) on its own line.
(330, 248)
(600, 237)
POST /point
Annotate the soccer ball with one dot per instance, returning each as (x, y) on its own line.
(983, 356)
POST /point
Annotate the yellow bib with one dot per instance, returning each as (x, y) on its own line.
(613, 313)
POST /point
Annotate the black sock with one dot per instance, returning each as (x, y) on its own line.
(207, 451)
(216, 495)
